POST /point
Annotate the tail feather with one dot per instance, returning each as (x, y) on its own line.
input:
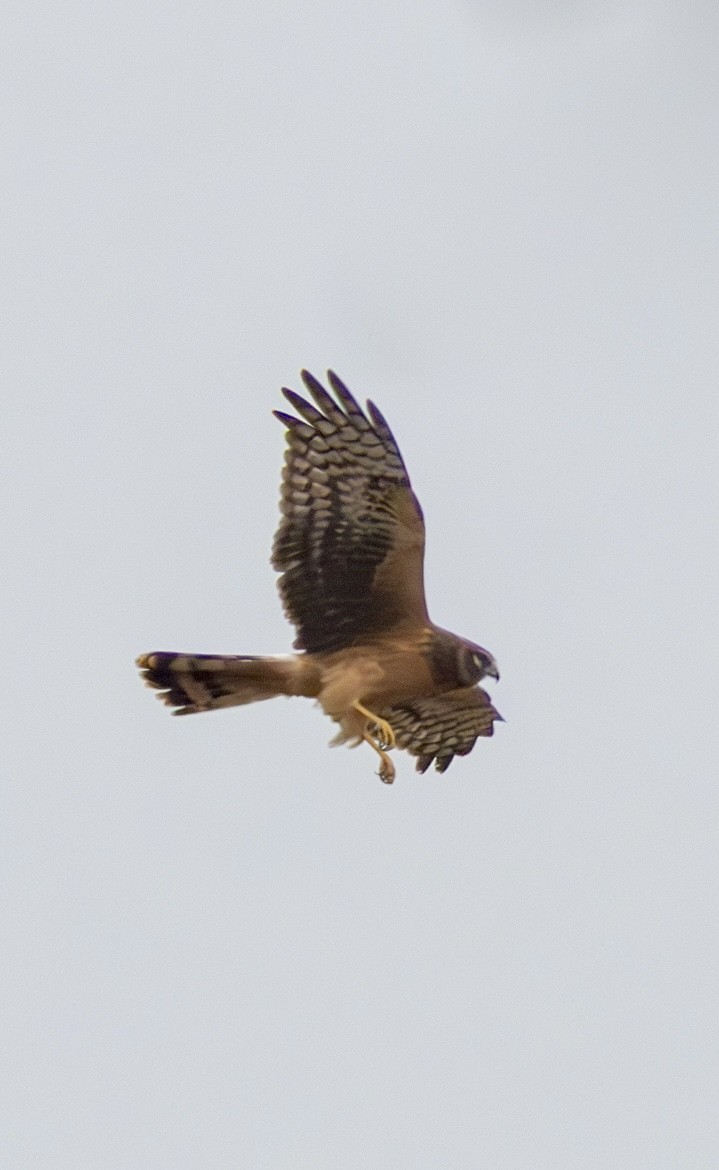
(207, 682)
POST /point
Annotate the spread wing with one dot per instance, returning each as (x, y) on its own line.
(350, 545)
(444, 726)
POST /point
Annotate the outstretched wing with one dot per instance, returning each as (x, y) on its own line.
(444, 726)
(350, 545)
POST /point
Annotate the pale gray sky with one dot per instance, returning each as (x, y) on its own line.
(225, 945)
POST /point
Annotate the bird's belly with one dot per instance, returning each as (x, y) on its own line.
(374, 679)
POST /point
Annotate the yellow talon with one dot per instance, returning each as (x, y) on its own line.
(384, 734)
(387, 771)
(379, 735)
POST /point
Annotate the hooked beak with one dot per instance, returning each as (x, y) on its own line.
(493, 670)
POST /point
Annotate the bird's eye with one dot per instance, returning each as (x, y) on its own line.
(478, 661)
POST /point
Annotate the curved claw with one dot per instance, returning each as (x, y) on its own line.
(379, 734)
(383, 732)
(387, 771)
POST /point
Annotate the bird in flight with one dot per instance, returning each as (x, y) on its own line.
(350, 551)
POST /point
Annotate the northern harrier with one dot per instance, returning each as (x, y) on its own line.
(350, 548)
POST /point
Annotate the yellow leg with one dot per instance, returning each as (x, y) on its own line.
(385, 734)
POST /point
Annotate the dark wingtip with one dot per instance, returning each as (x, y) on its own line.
(293, 397)
(347, 399)
(287, 420)
(311, 382)
(376, 415)
(380, 424)
(336, 382)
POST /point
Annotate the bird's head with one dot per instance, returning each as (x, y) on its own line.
(477, 663)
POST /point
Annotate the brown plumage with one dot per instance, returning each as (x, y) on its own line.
(350, 551)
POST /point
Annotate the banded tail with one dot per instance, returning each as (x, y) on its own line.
(207, 682)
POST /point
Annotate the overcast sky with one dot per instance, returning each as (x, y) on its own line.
(224, 944)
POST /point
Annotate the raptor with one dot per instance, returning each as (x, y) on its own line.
(350, 552)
